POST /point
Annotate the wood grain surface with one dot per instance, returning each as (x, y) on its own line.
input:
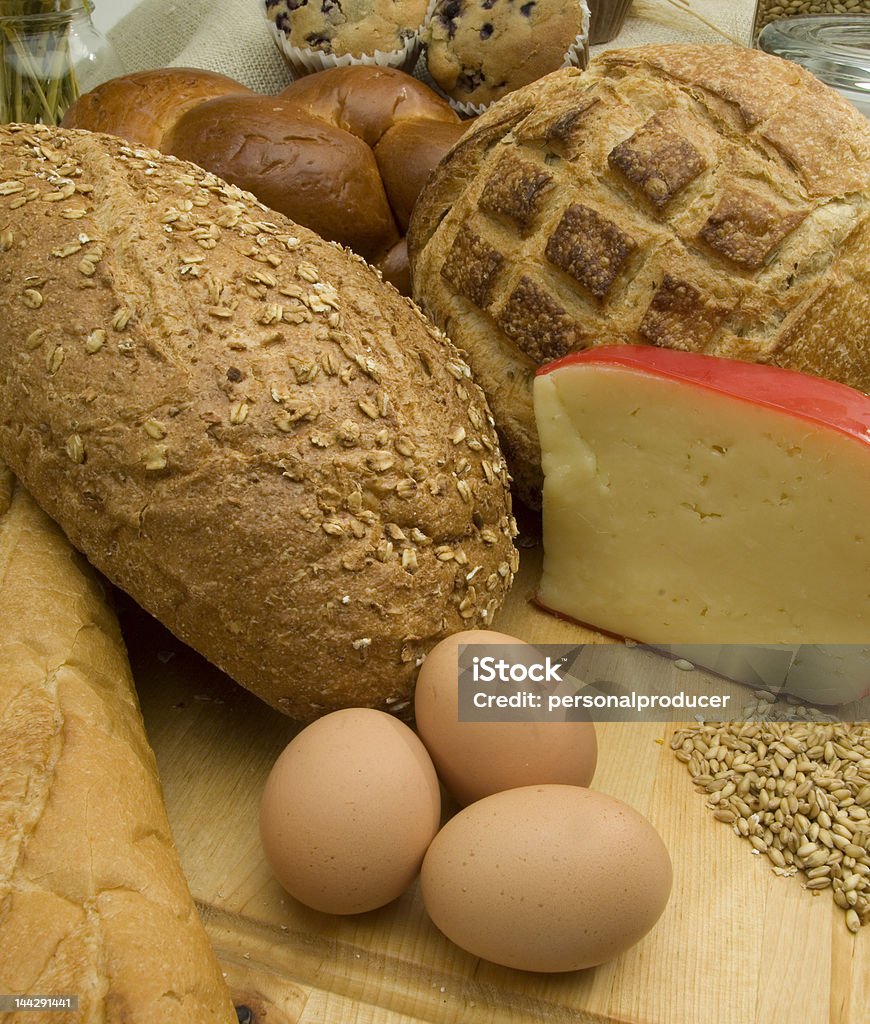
(736, 944)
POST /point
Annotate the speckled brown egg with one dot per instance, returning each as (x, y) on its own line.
(546, 878)
(476, 759)
(348, 811)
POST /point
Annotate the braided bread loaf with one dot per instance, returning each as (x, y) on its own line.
(343, 152)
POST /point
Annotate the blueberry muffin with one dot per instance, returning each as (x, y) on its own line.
(346, 28)
(478, 50)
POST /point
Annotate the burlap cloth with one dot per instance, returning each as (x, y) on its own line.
(231, 36)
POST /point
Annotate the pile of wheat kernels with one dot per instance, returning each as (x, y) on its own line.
(798, 791)
(767, 11)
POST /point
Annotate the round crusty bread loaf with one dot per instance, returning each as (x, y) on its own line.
(705, 198)
(272, 451)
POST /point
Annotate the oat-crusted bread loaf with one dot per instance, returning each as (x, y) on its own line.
(93, 901)
(273, 452)
(705, 198)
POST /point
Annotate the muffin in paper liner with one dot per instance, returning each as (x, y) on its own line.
(350, 32)
(476, 51)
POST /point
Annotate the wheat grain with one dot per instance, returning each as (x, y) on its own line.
(796, 790)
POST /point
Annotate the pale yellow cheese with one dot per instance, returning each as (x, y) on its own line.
(676, 514)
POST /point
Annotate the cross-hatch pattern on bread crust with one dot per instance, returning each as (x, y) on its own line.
(538, 324)
(658, 158)
(589, 247)
(516, 191)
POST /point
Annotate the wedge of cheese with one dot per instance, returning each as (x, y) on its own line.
(693, 499)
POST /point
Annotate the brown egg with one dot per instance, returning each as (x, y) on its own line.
(475, 759)
(348, 811)
(546, 878)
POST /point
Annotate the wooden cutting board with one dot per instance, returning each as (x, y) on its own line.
(736, 945)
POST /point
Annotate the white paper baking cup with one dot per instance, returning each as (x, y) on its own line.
(306, 61)
(576, 56)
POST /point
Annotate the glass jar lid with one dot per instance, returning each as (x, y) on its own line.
(835, 48)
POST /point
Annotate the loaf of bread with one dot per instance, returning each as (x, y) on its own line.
(344, 152)
(705, 198)
(144, 107)
(93, 902)
(271, 450)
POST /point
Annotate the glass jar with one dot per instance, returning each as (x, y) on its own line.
(606, 18)
(835, 49)
(767, 11)
(50, 52)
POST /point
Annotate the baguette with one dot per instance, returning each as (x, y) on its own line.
(93, 902)
(239, 424)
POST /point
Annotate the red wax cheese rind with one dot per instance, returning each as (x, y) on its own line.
(821, 401)
(692, 499)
